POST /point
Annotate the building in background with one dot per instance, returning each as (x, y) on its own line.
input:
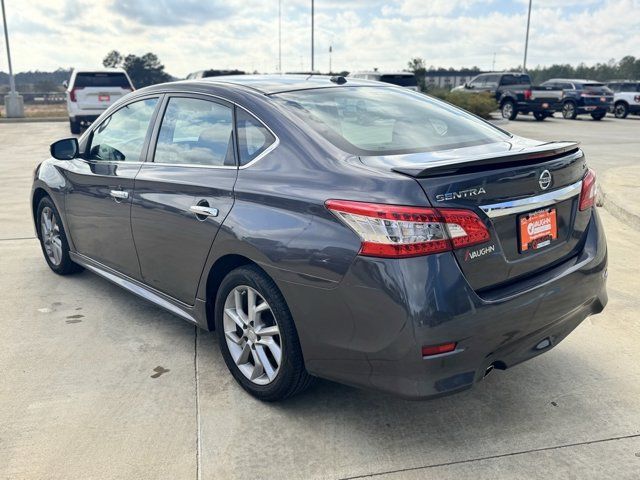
(448, 78)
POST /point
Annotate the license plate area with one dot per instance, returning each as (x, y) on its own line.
(104, 97)
(537, 229)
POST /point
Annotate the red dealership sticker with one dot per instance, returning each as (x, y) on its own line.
(538, 229)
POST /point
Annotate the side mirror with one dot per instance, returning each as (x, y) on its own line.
(65, 84)
(65, 149)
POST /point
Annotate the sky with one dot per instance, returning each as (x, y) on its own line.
(191, 35)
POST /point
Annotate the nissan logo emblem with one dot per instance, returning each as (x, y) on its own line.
(545, 180)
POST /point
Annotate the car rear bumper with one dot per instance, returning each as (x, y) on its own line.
(548, 107)
(369, 330)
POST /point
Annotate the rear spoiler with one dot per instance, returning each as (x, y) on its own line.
(542, 152)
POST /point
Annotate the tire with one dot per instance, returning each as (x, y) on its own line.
(539, 116)
(598, 116)
(569, 110)
(75, 127)
(53, 239)
(621, 110)
(508, 109)
(242, 346)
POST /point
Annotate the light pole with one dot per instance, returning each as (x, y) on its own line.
(279, 36)
(526, 41)
(330, 52)
(13, 102)
(312, 27)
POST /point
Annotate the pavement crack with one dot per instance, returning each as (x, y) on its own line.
(14, 239)
(197, 394)
(492, 457)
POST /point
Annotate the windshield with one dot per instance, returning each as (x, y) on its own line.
(510, 79)
(99, 79)
(401, 80)
(387, 120)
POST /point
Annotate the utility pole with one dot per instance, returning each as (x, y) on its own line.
(13, 102)
(526, 41)
(330, 52)
(493, 64)
(312, 32)
(279, 36)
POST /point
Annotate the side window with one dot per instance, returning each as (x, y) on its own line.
(121, 136)
(478, 81)
(253, 137)
(196, 132)
(491, 81)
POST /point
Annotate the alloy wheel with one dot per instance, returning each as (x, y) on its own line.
(507, 110)
(567, 110)
(50, 232)
(252, 335)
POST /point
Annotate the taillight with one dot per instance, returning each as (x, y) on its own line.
(527, 94)
(589, 190)
(72, 94)
(400, 231)
(438, 349)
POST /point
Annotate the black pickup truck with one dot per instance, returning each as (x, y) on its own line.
(515, 94)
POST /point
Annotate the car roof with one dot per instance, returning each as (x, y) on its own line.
(572, 80)
(382, 72)
(269, 84)
(98, 70)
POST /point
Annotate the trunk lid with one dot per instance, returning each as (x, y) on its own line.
(504, 183)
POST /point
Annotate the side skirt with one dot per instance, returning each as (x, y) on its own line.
(195, 315)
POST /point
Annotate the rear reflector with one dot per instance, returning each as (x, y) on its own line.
(396, 231)
(438, 349)
(589, 190)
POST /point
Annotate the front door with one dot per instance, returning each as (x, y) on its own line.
(182, 197)
(100, 187)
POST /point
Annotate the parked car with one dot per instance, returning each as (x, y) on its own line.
(338, 228)
(402, 79)
(91, 92)
(582, 97)
(626, 97)
(515, 94)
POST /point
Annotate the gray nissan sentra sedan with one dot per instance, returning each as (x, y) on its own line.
(329, 227)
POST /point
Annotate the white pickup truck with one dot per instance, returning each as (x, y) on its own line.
(626, 97)
(91, 92)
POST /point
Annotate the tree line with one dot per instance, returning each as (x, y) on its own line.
(627, 68)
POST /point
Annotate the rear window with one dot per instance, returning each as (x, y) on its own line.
(515, 79)
(387, 121)
(596, 88)
(401, 80)
(101, 79)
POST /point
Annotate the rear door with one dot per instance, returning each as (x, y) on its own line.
(100, 186)
(184, 193)
(99, 90)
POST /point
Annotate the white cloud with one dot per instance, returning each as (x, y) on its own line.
(192, 35)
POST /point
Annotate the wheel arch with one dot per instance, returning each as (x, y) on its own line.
(218, 271)
(622, 100)
(38, 194)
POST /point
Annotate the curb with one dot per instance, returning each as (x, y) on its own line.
(621, 213)
(34, 119)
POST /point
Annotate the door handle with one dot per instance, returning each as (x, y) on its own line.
(119, 194)
(204, 211)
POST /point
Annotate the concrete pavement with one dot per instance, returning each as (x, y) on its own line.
(96, 383)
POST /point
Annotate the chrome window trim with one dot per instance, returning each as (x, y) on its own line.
(532, 203)
(224, 167)
(192, 165)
